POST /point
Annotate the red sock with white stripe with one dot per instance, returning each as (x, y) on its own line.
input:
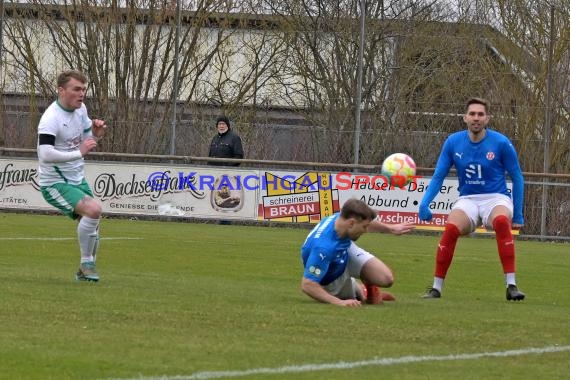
(445, 250)
(506, 246)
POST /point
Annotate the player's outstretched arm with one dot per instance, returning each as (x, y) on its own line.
(315, 290)
(396, 229)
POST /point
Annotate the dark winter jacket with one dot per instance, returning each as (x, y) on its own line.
(226, 145)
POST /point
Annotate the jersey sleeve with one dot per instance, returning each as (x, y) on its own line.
(47, 126)
(317, 265)
(511, 164)
(442, 167)
(48, 154)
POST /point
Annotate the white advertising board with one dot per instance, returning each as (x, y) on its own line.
(397, 204)
(198, 192)
(19, 188)
(297, 194)
(145, 189)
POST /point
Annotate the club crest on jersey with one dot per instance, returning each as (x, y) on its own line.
(490, 156)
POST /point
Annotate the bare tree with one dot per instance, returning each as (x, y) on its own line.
(127, 52)
(528, 24)
(238, 81)
(541, 31)
(323, 40)
(417, 69)
(257, 60)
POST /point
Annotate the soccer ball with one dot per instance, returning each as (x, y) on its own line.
(399, 164)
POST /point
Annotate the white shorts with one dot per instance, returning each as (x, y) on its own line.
(478, 207)
(345, 286)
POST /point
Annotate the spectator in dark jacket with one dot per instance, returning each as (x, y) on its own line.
(225, 144)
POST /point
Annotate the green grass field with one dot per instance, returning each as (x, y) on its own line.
(206, 301)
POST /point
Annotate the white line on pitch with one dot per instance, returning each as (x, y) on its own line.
(67, 238)
(349, 365)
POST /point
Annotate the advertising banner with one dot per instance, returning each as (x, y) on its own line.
(19, 188)
(198, 192)
(297, 197)
(144, 189)
(397, 203)
(231, 193)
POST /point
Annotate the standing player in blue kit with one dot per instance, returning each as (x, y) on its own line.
(481, 157)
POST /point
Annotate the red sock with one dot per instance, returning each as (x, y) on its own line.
(445, 249)
(505, 243)
(375, 295)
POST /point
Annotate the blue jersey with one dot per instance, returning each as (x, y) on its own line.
(481, 168)
(324, 254)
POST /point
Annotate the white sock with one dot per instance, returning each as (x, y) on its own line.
(510, 279)
(94, 244)
(87, 236)
(438, 283)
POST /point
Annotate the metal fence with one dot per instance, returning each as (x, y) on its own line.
(262, 140)
(306, 147)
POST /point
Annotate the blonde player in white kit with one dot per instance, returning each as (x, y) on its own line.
(65, 135)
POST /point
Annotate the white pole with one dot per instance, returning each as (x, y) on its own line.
(547, 123)
(1, 33)
(175, 83)
(358, 100)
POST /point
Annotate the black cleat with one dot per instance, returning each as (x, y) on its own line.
(513, 293)
(433, 293)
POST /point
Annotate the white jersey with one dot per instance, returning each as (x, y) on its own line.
(70, 128)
